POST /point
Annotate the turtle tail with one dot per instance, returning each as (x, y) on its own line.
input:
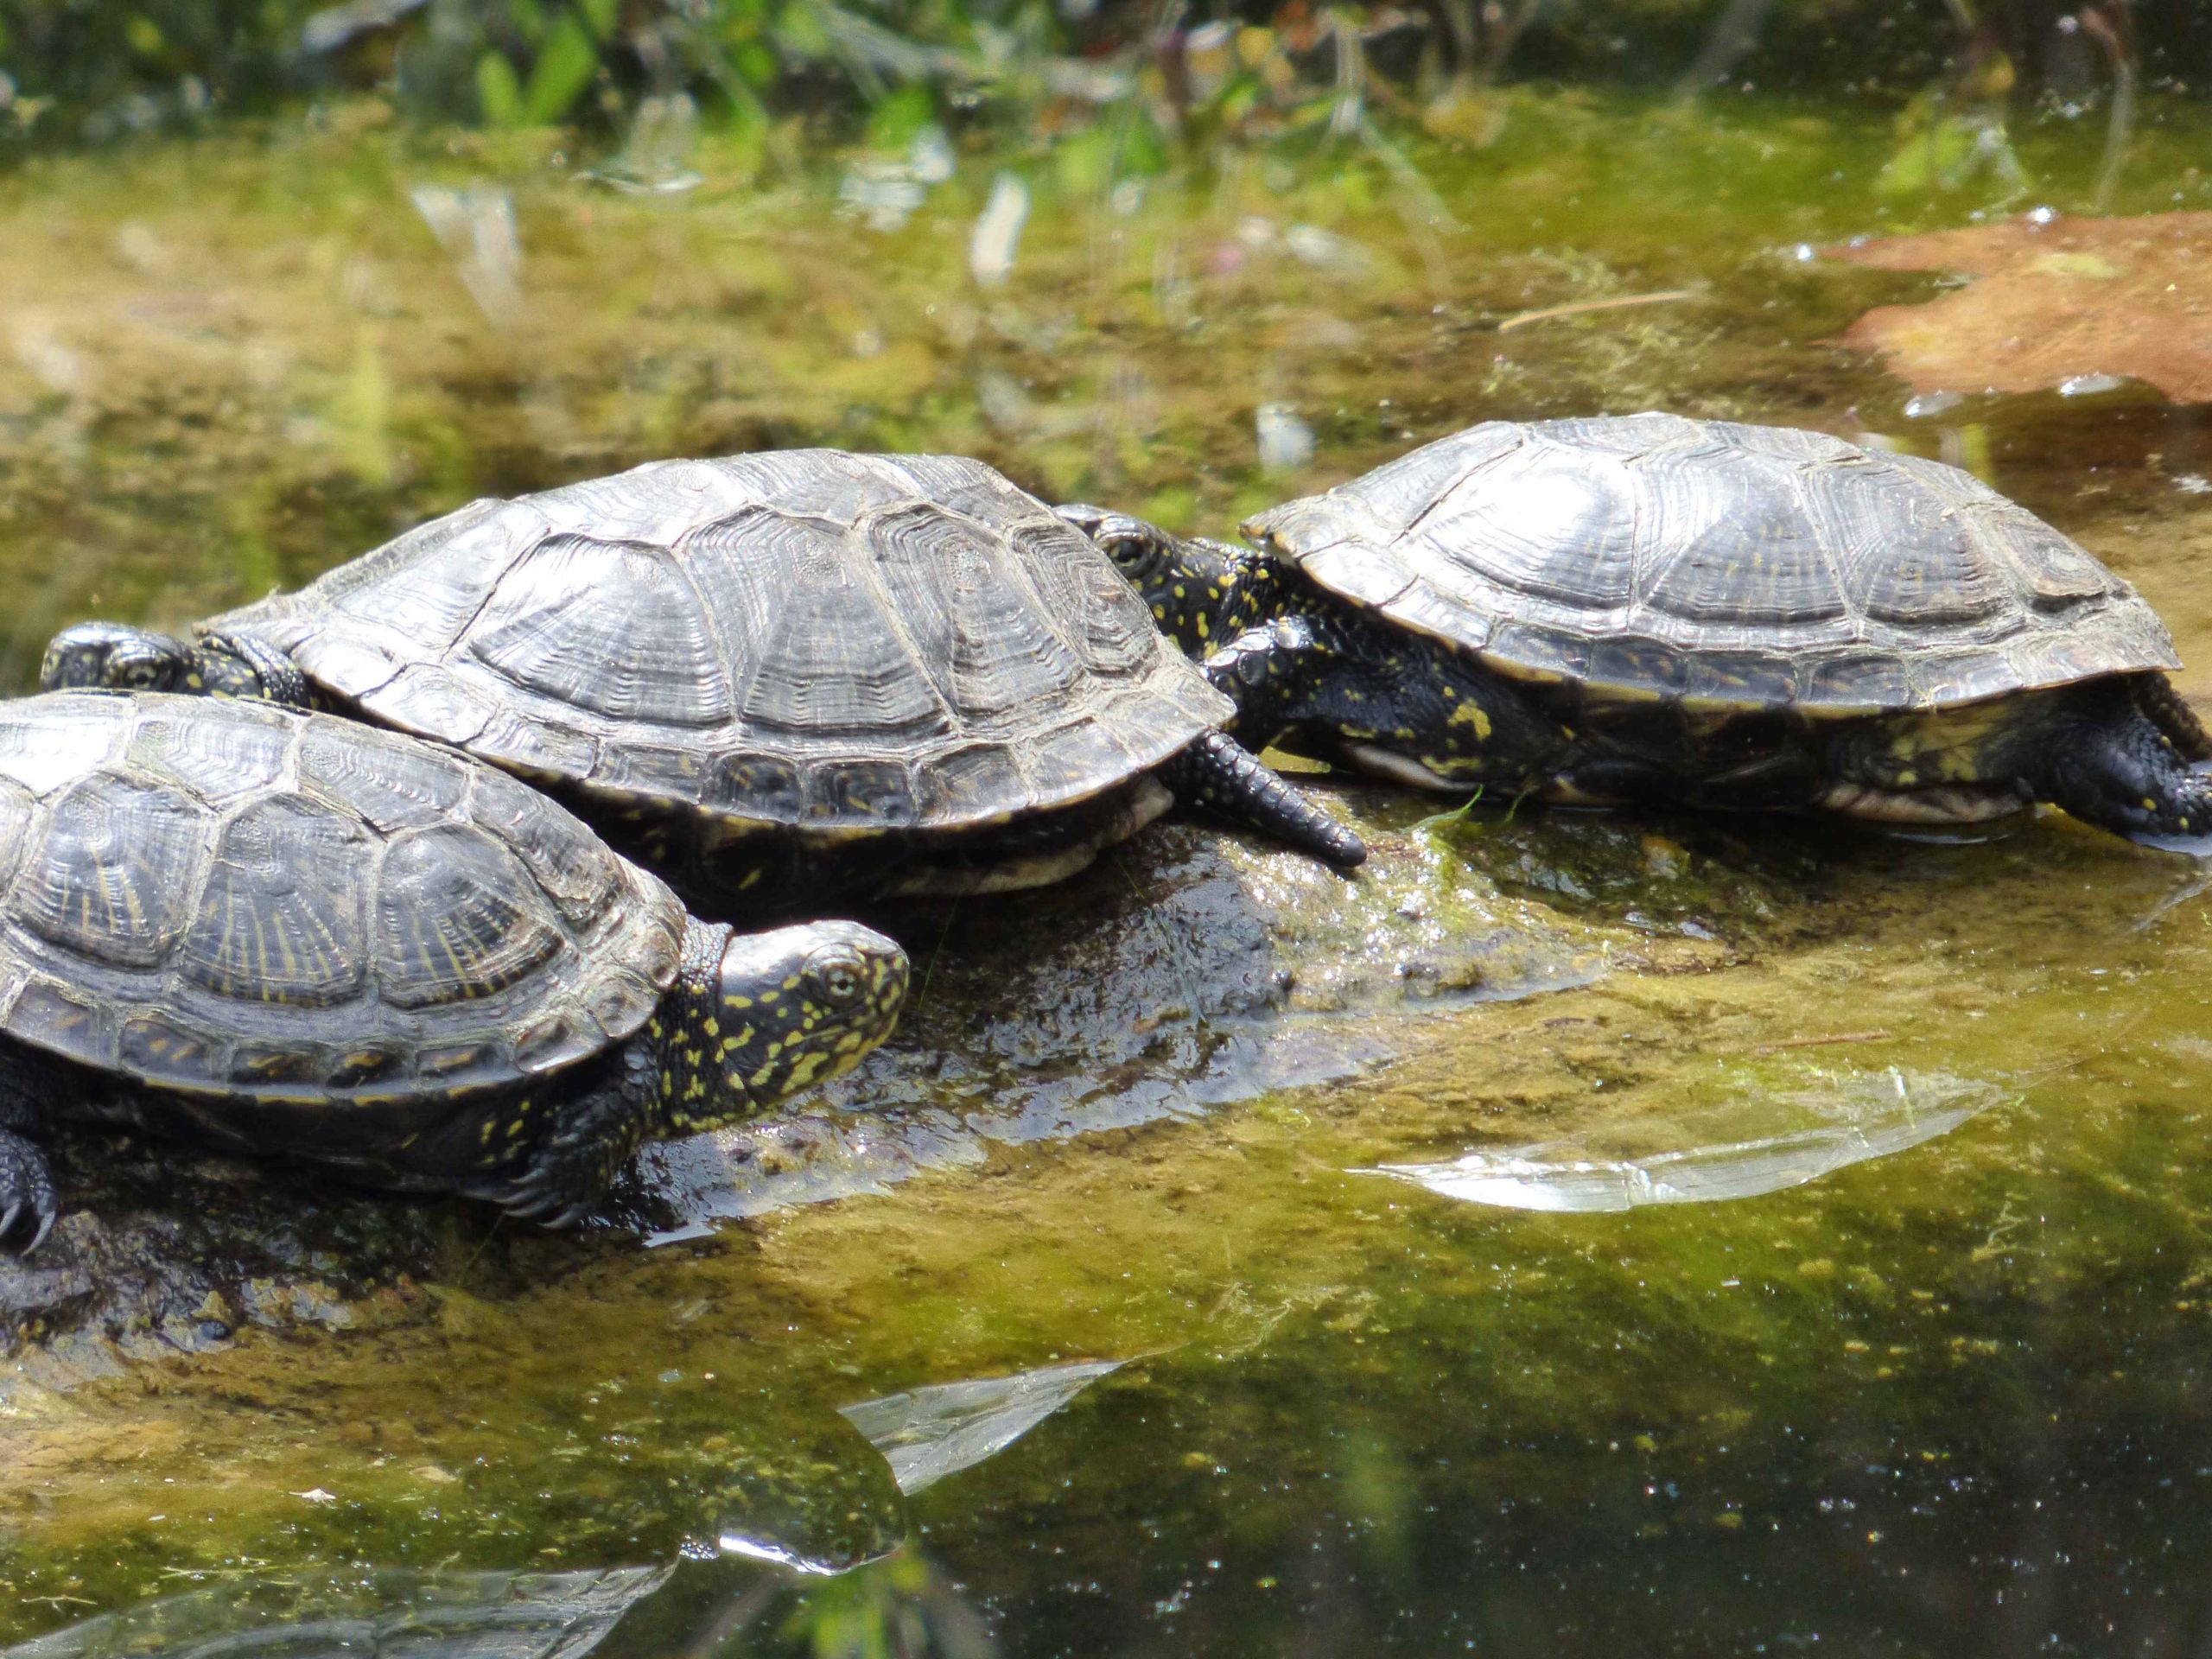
(1215, 773)
(2124, 769)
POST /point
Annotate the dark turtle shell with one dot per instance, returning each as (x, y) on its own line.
(1736, 565)
(226, 897)
(806, 638)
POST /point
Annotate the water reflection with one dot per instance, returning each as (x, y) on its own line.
(1863, 1117)
(925, 1434)
(898, 1608)
(425, 1615)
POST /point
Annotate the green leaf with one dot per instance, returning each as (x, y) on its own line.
(600, 15)
(564, 67)
(800, 31)
(756, 63)
(1437, 821)
(498, 92)
(1143, 153)
(899, 116)
(1084, 162)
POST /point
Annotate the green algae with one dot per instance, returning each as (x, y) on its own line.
(1127, 1121)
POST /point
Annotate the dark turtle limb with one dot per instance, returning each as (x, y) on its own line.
(239, 665)
(1387, 702)
(28, 1198)
(107, 655)
(589, 1133)
(2100, 757)
(1216, 774)
(2160, 704)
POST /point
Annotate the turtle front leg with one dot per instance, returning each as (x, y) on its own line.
(1216, 774)
(2103, 761)
(1385, 703)
(28, 1197)
(590, 1130)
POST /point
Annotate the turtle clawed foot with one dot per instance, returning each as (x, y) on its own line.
(28, 1203)
(552, 1194)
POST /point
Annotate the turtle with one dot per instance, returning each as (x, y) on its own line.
(277, 932)
(776, 674)
(1611, 609)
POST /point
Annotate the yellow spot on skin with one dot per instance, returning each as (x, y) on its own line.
(1908, 778)
(1199, 623)
(734, 1001)
(713, 1026)
(2150, 806)
(1468, 714)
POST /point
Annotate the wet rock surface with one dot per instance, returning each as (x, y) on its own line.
(1187, 969)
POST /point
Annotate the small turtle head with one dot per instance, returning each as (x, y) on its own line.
(801, 1005)
(110, 657)
(1141, 549)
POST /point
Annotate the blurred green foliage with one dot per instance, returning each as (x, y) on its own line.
(1137, 73)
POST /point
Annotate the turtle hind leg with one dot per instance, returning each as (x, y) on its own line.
(2111, 765)
(1215, 774)
(28, 1197)
(2159, 704)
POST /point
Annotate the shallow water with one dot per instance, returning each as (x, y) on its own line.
(1922, 1373)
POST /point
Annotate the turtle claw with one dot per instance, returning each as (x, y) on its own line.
(542, 1195)
(26, 1188)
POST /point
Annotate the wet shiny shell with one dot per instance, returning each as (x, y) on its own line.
(229, 898)
(806, 638)
(1737, 565)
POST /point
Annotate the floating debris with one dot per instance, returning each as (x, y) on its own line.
(2078, 304)
(1583, 308)
(1872, 1116)
(476, 227)
(1286, 442)
(1929, 404)
(655, 159)
(928, 1433)
(998, 231)
(335, 26)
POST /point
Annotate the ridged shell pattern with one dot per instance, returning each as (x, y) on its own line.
(805, 637)
(1735, 564)
(231, 898)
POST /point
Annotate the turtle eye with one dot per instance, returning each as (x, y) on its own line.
(839, 976)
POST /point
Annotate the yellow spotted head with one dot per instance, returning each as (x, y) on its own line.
(109, 655)
(799, 1006)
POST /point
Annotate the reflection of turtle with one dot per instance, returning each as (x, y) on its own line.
(319, 1614)
(308, 937)
(808, 664)
(1727, 615)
